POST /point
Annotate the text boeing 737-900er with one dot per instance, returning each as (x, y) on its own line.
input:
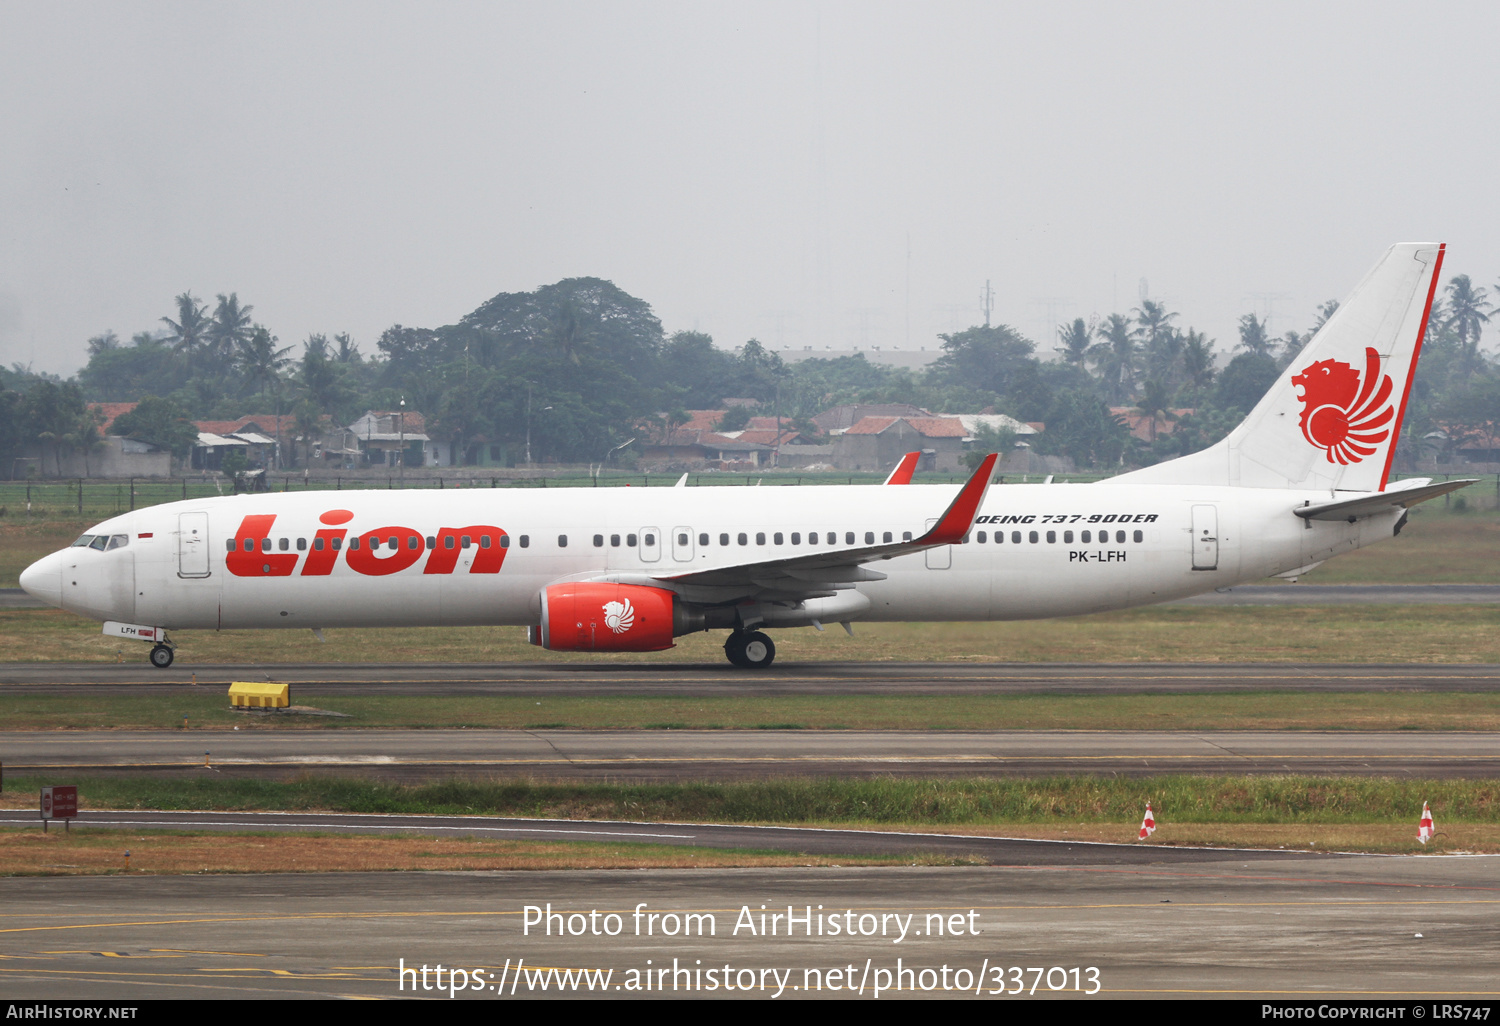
(1305, 477)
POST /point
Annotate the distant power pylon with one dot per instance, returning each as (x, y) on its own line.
(1268, 304)
(987, 302)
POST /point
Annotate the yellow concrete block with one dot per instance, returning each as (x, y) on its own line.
(260, 695)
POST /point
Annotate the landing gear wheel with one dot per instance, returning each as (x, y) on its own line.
(749, 650)
(161, 656)
(734, 649)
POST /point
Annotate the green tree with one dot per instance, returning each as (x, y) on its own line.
(1115, 355)
(190, 332)
(1075, 340)
(1253, 336)
(159, 422)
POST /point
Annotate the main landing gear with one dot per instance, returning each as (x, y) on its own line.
(161, 655)
(749, 650)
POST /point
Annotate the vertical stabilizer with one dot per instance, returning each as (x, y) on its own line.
(1332, 419)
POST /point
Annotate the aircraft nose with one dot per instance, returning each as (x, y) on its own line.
(43, 579)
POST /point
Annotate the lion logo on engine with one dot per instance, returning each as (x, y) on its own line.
(1344, 413)
(619, 616)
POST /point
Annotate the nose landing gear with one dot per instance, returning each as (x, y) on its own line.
(750, 650)
(161, 655)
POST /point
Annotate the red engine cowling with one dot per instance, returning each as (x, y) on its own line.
(606, 618)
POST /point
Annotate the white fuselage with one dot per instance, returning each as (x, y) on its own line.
(1034, 551)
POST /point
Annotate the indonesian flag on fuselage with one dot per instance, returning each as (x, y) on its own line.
(1148, 825)
(1424, 828)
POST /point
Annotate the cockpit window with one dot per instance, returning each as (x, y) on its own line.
(119, 541)
(82, 541)
(100, 540)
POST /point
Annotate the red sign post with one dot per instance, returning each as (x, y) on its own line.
(59, 803)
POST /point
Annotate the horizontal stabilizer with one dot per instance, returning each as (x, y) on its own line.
(1380, 502)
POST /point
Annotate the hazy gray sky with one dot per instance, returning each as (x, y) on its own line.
(804, 173)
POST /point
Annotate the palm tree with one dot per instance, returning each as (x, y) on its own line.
(1198, 358)
(259, 359)
(230, 329)
(1076, 339)
(1468, 313)
(191, 329)
(1253, 336)
(1154, 403)
(1115, 356)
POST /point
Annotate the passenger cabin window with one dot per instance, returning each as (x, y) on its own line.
(702, 539)
(886, 537)
(1033, 538)
(598, 541)
(1068, 537)
(723, 539)
(431, 542)
(812, 537)
(833, 538)
(614, 541)
(869, 537)
(778, 538)
(1140, 536)
(1120, 537)
(464, 543)
(906, 536)
(650, 539)
(1051, 537)
(414, 541)
(796, 537)
(629, 540)
(484, 541)
(981, 537)
(1087, 537)
(744, 539)
(760, 537)
(848, 537)
(682, 539)
(505, 541)
(281, 543)
(318, 544)
(228, 543)
(525, 540)
(354, 542)
(1015, 537)
(338, 543)
(562, 541)
(448, 541)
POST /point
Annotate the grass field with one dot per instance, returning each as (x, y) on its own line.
(92, 852)
(1348, 813)
(207, 708)
(1359, 634)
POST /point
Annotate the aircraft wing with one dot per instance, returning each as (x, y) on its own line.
(825, 572)
(1381, 502)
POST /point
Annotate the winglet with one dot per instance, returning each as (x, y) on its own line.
(905, 469)
(959, 516)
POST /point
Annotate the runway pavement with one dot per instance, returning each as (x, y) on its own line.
(676, 755)
(718, 678)
(1304, 930)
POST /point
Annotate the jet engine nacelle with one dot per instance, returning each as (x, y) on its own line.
(595, 617)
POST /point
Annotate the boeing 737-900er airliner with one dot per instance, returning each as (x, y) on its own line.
(1303, 478)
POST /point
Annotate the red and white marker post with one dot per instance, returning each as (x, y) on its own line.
(1424, 828)
(1148, 825)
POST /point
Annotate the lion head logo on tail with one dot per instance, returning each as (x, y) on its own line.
(1345, 414)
